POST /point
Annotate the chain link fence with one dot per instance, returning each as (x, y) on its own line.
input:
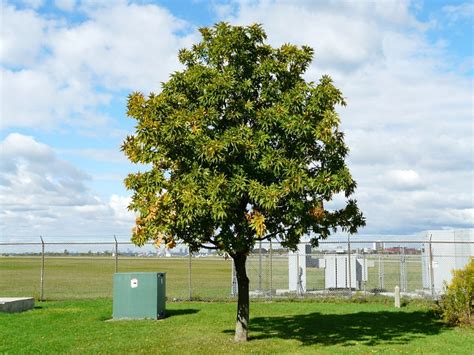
(84, 270)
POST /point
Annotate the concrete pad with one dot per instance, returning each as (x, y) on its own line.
(16, 304)
(259, 293)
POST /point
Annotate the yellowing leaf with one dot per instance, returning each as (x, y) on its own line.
(318, 212)
(157, 242)
(257, 221)
(171, 243)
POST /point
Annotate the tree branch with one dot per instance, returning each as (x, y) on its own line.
(210, 248)
(269, 236)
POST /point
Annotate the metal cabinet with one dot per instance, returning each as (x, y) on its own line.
(139, 295)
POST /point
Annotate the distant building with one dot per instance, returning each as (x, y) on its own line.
(378, 246)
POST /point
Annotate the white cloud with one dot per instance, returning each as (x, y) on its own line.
(102, 155)
(344, 34)
(67, 72)
(34, 176)
(35, 4)
(459, 216)
(460, 11)
(65, 5)
(21, 44)
(43, 194)
(123, 46)
(119, 204)
(31, 98)
(404, 179)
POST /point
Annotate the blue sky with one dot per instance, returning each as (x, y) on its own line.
(405, 67)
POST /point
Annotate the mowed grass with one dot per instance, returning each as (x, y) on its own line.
(79, 321)
(84, 326)
(91, 277)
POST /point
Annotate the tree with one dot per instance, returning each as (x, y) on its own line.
(240, 148)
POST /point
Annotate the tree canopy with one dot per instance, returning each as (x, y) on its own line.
(239, 148)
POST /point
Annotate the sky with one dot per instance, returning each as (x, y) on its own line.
(405, 68)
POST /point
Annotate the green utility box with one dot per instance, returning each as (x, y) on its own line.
(139, 295)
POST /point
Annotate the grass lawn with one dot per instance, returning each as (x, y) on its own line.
(81, 326)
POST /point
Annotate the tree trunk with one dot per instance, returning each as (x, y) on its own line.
(242, 324)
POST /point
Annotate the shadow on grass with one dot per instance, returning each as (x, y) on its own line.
(180, 312)
(169, 313)
(368, 328)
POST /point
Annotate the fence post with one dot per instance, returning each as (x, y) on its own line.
(271, 270)
(403, 270)
(381, 269)
(298, 274)
(42, 271)
(400, 278)
(364, 272)
(189, 272)
(116, 254)
(349, 263)
(233, 279)
(431, 269)
(260, 265)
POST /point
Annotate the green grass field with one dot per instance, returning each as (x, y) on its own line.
(70, 277)
(82, 326)
(76, 317)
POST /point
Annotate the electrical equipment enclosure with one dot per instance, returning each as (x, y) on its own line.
(297, 269)
(450, 250)
(139, 295)
(336, 274)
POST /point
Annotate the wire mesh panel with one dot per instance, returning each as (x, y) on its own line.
(315, 278)
(78, 271)
(20, 271)
(414, 280)
(391, 271)
(280, 279)
(210, 277)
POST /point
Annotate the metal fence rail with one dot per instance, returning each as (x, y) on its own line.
(70, 270)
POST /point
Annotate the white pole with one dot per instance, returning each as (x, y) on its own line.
(397, 297)
(116, 254)
(42, 271)
(431, 269)
(349, 263)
